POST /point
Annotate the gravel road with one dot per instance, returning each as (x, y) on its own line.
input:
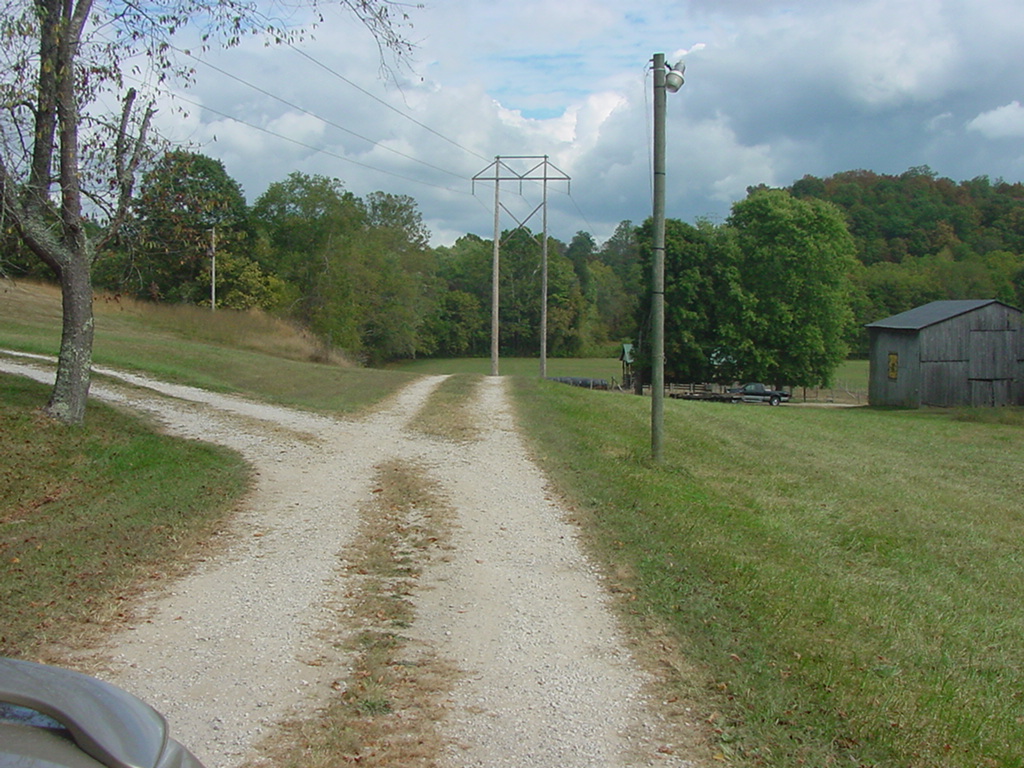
(228, 650)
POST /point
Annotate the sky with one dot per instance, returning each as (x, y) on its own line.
(774, 91)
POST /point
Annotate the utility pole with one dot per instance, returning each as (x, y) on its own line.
(494, 272)
(213, 269)
(544, 282)
(658, 261)
(498, 171)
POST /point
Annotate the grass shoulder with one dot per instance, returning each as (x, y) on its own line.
(90, 513)
(224, 351)
(844, 581)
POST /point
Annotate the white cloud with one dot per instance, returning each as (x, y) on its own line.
(773, 91)
(299, 127)
(1002, 122)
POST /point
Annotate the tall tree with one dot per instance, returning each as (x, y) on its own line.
(795, 260)
(299, 218)
(581, 251)
(398, 283)
(62, 62)
(705, 306)
(460, 321)
(187, 207)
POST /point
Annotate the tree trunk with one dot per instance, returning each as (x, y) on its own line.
(74, 368)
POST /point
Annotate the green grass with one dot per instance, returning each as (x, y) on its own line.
(849, 579)
(852, 374)
(223, 351)
(447, 412)
(87, 513)
(584, 367)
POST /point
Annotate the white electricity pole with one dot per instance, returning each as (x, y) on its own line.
(544, 281)
(495, 321)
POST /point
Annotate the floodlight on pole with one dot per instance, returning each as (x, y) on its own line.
(674, 76)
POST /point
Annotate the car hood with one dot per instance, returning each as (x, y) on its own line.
(110, 725)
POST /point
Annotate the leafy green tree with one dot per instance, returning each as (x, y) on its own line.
(520, 297)
(705, 306)
(581, 252)
(617, 303)
(621, 252)
(519, 294)
(242, 284)
(613, 306)
(399, 215)
(458, 325)
(460, 320)
(307, 228)
(299, 218)
(795, 258)
(188, 208)
(361, 271)
(397, 287)
(64, 61)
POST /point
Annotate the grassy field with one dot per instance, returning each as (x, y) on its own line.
(849, 579)
(87, 514)
(608, 369)
(845, 582)
(221, 351)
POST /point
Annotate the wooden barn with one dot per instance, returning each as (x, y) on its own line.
(948, 353)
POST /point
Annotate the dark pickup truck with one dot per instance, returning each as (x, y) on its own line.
(759, 393)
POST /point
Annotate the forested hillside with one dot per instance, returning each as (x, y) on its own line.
(920, 238)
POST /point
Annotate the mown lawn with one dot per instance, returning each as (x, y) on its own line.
(849, 580)
(86, 514)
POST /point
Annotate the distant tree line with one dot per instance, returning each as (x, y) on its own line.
(359, 272)
(779, 291)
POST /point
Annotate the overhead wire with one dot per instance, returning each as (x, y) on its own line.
(342, 128)
(409, 117)
(331, 123)
(319, 150)
(381, 101)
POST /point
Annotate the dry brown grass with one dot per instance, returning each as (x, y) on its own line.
(386, 711)
(448, 413)
(37, 306)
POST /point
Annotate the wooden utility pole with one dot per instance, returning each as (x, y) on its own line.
(658, 261)
(658, 268)
(213, 269)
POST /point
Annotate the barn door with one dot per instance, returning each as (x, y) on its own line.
(991, 367)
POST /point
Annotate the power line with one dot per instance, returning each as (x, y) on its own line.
(331, 123)
(579, 210)
(386, 104)
(303, 144)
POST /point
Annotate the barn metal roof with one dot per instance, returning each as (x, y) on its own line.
(930, 314)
